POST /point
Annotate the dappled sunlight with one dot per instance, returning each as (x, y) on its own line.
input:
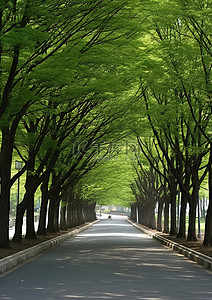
(111, 261)
(71, 296)
(129, 275)
(102, 296)
(64, 258)
(159, 266)
(149, 298)
(109, 296)
(125, 258)
(139, 249)
(112, 224)
(135, 235)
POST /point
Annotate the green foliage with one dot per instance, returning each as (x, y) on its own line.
(109, 182)
(97, 72)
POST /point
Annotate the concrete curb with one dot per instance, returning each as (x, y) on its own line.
(16, 259)
(198, 257)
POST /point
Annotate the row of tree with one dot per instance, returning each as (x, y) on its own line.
(79, 76)
(61, 96)
(175, 95)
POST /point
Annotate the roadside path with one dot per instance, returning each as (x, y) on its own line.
(110, 260)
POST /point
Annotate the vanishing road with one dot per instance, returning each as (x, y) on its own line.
(110, 260)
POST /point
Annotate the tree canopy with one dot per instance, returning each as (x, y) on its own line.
(105, 102)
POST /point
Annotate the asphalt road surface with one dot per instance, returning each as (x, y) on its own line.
(110, 260)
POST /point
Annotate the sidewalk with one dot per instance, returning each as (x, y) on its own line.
(110, 260)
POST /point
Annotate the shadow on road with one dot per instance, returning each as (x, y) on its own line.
(111, 260)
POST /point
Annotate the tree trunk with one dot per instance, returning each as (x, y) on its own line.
(51, 227)
(159, 218)
(63, 209)
(133, 212)
(71, 216)
(193, 207)
(57, 213)
(30, 188)
(151, 217)
(192, 222)
(173, 193)
(74, 215)
(139, 217)
(5, 169)
(42, 218)
(79, 210)
(69, 212)
(4, 210)
(166, 216)
(184, 200)
(30, 220)
(21, 208)
(89, 212)
(93, 212)
(74, 221)
(78, 213)
(92, 209)
(44, 206)
(182, 228)
(27, 203)
(208, 221)
(53, 214)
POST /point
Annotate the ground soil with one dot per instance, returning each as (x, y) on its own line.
(27, 243)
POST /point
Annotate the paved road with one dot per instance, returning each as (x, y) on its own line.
(111, 260)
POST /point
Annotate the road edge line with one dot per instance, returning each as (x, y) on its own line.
(193, 255)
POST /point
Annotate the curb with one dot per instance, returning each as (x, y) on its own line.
(193, 255)
(16, 259)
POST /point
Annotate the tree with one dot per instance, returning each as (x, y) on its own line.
(171, 83)
(31, 34)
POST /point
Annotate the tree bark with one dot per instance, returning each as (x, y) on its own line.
(44, 206)
(159, 218)
(166, 216)
(184, 200)
(30, 220)
(71, 216)
(78, 211)
(173, 194)
(69, 213)
(151, 217)
(51, 227)
(30, 187)
(21, 208)
(182, 226)
(5, 175)
(27, 203)
(63, 210)
(133, 212)
(193, 206)
(139, 217)
(192, 222)
(4, 204)
(89, 212)
(57, 212)
(208, 221)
